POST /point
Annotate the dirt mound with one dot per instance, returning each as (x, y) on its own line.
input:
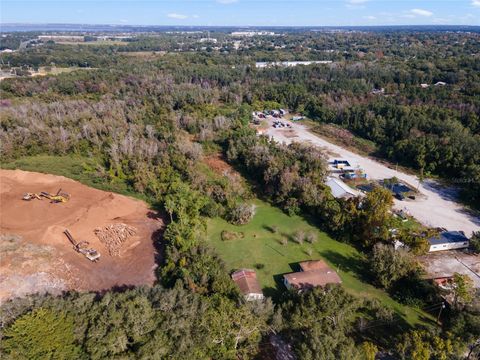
(37, 256)
(113, 236)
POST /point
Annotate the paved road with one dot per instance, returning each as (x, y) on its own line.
(436, 209)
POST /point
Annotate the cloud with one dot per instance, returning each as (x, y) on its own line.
(177, 16)
(476, 3)
(420, 12)
(226, 1)
(195, 16)
(370, 17)
(356, 2)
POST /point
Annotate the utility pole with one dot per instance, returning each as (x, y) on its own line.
(440, 312)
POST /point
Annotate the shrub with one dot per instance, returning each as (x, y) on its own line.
(232, 235)
(242, 213)
(299, 237)
(311, 237)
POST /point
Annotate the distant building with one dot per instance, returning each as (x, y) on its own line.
(424, 86)
(262, 64)
(246, 280)
(252, 33)
(340, 189)
(210, 40)
(313, 273)
(378, 91)
(448, 240)
(69, 38)
(440, 83)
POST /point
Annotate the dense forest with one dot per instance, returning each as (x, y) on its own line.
(147, 123)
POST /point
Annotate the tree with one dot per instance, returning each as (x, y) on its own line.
(389, 265)
(475, 242)
(462, 289)
(41, 334)
(374, 219)
(423, 345)
(317, 323)
(370, 350)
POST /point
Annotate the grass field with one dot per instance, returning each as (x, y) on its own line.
(260, 245)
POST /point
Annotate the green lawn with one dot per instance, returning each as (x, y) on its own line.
(260, 245)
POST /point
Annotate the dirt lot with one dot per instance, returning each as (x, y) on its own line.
(446, 263)
(35, 254)
(437, 208)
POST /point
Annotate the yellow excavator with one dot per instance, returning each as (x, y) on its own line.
(57, 198)
(81, 247)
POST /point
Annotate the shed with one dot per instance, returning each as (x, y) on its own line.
(246, 279)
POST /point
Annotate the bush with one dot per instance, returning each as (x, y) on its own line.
(299, 236)
(311, 237)
(259, 266)
(232, 235)
(242, 213)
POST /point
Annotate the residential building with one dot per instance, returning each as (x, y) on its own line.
(313, 273)
(246, 280)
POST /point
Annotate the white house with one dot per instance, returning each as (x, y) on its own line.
(448, 240)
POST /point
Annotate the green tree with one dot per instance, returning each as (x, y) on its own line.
(41, 334)
(374, 219)
(389, 265)
(475, 242)
(462, 289)
(423, 345)
(369, 350)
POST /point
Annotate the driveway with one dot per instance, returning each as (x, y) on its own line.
(437, 208)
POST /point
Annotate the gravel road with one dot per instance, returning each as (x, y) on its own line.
(437, 208)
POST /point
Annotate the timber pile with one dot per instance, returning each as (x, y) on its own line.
(113, 236)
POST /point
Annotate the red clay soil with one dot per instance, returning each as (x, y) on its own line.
(35, 255)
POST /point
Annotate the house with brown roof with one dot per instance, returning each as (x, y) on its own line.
(246, 280)
(313, 273)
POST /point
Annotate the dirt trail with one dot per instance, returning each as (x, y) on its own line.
(36, 255)
(437, 209)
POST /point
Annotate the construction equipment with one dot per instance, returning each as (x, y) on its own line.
(57, 198)
(81, 247)
(31, 196)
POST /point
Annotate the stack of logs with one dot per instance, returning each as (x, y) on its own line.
(113, 236)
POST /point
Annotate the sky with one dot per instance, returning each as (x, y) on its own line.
(243, 12)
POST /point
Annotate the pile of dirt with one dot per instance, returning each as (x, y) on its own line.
(36, 255)
(114, 235)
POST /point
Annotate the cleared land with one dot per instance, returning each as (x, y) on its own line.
(260, 247)
(437, 209)
(37, 256)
